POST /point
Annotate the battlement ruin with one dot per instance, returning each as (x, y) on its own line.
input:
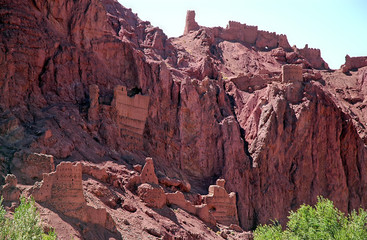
(236, 31)
(63, 189)
(262, 40)
(353, 63)
(292, 73)
(216, 207)
(130, 113)
(221, 204)
(313, 56)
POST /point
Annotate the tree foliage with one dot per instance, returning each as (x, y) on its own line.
(25, 224)
(323, 221)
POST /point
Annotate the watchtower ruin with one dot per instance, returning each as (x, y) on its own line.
(292, 73)
(191, 24)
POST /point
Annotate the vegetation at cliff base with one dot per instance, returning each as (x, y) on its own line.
(25, 224)
(323, 221)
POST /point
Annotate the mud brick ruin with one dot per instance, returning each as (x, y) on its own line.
(292, 73)
(221, 204)
(63, 189)
(130, 113)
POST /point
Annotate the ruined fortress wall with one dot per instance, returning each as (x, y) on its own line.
(250, 34)
(313, 56)
(67, 185)
(354, 62)
(221, 204)
(129, 113)
(292, 73)
(267, 40)
(283, 42)
(63, 187)
(132, 111)
(236, 31)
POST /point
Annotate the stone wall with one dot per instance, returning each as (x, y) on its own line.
(132, 111)
(353, 63)
(129, 114)
(266, 40)
(63, 190)
(221, 204)
(292, 73)
(313, 56)
(236, 31)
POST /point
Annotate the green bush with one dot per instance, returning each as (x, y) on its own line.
(323, 221)
(25, 224)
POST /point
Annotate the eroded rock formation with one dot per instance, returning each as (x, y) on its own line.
(217, 108)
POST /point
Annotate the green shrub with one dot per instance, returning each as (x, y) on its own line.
(25, 224)
(323, 221)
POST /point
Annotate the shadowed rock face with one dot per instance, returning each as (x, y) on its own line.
(278, 145)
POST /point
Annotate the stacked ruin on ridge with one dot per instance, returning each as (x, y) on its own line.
(260, 39)
(292, 73)
(236, 31)
(352, 63)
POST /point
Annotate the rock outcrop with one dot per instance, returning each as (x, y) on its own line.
(217, 108)
(152, 195)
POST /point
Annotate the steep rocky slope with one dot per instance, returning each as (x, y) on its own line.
(216, 108)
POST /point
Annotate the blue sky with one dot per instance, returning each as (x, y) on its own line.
(337, 27)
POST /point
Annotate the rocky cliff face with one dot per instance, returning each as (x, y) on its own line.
(217, 108)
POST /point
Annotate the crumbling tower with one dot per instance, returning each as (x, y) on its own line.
(292, 73)
(191, 24)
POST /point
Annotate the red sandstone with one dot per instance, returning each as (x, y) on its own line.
(88, 82)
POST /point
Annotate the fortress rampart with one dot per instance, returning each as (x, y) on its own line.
(262, 40)
(353, 63)
(236, 31)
